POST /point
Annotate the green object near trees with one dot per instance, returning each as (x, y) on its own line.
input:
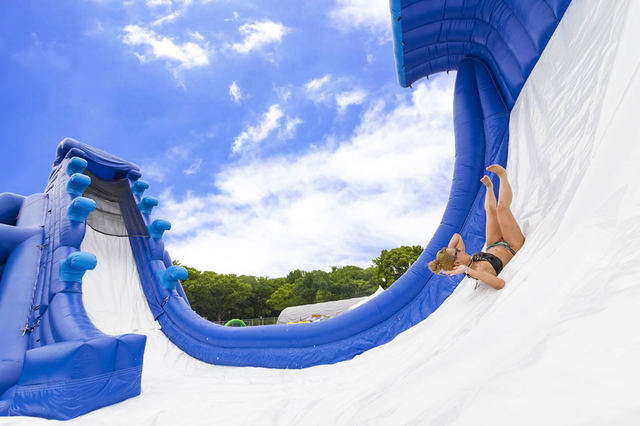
(234, 322)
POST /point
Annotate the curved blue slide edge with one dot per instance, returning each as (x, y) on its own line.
(481, 113)
(486, 88)
(432, 36)
(56, 363)
(481, 119)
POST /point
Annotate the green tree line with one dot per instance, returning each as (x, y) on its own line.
(220, 297)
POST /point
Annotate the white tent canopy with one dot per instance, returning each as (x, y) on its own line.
(322, 310)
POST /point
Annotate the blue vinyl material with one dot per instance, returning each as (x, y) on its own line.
(57, 365)
(134, 175)
(80, 208)
(432, 36)
(147, 204)
(102, 164)
(139, 187)
(10, 207)
(76, 165)
(78, 183)
(72, 268)
(171, 276)
(158, 227)
(11, 237)
(481, 120)
(54, 362)
(486, 88)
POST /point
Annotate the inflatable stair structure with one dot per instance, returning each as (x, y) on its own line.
(54, 363)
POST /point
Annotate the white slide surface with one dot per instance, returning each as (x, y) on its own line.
(559, 345)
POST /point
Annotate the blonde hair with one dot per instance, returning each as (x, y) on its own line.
(444, 262)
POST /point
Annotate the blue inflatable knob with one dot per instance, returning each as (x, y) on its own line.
(72, 268)
(147, 204)
(134, 175)
(76, 152)
(139, 187)
(171, 275)
(80, 208)
(76, 165)
(78, 184)
(157, 228)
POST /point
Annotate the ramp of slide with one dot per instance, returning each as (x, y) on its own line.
(555, 333)
(556, 346)
(485, 90)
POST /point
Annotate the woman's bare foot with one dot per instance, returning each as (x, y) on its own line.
(497, 169)
(487, 182)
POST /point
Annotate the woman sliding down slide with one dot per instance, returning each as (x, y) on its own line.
(504, 239)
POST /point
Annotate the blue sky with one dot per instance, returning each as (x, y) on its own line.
(273, 133)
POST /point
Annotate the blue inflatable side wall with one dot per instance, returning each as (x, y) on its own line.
(481, 119)
(56, 364)
(21, 238)
(432, 36)
(482, 40)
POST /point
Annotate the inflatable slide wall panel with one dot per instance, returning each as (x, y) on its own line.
(57, 364)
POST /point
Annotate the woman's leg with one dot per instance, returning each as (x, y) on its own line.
(493, 233)
(510, 229)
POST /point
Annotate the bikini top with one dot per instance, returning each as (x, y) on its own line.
(494, 260)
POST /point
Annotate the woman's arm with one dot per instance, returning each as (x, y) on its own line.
(456, 242)
(485, 277)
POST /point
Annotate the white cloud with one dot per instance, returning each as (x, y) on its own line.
(283, 92)
(151, 170)
(193, 168)
(171, 15)
(290, 126)
(196, 35)
(235, 17)
(269, 122)
(322, 89)
(369, 58)
(375, 16)
(42, 54)
(97, 29)
(317, 83)
(236, 93)
(354, 97)
(254, 134)
(156, 3)
(384, 186)
(259, 34)
(168, 18)
(156, 47)
(180, 151)
(327, 89)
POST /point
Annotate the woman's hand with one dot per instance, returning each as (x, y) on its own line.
(483, 276)
(460, 269)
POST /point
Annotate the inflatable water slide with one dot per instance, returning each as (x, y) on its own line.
(548, 85)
